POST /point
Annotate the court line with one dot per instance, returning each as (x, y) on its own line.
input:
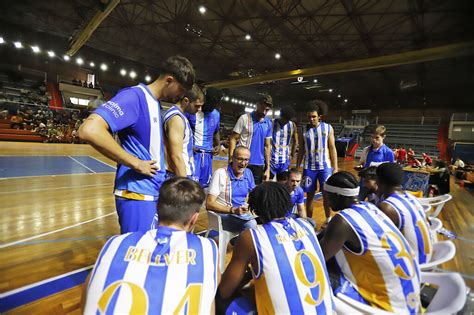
(54, 231)
(69, 239)
(6, 178)
(33, 285)
(52, 188)
(81, 164)
(101, 161)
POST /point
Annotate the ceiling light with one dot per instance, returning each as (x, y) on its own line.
(51, 53)
(345, 100)
(66, 58)
(132, 74)
(92, 64)
(202, 9)
(339, 95)
(18, 45)
(103, 67)
(248, 37)
(2, 40)
(79, 61)
(36, 49)
(330, 90)
(226, 98)
(147, 78)
(123, 72)
(315, 81)
(277, 56)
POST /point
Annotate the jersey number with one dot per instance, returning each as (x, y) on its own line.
(192, 297)
(318, 272)
(400, 253)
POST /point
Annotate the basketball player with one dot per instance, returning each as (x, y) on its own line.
(377, 264)
(134, 114)
(254, 131)
(286, 260)
(164, 271)
(179, 135)
(205, 125)
(318, 148)
(404, 210)
(284, 136)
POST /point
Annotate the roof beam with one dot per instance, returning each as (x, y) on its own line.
(81, 38)
(404, 58)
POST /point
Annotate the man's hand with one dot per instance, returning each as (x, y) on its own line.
(240, 210)
(266, 175)
(334, 170)
(147, 168)
(216, 150)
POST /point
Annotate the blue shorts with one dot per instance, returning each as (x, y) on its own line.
(135, 215)
(309, 179)
(203, 168)
(278, 168)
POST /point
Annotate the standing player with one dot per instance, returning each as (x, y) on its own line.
(205, 125)
(164, 271)
(254, 131)
(285, 257)
(318, 148)
(404, 210)
(284, 136)
(134, 114)
(376, 262)
(179, 136)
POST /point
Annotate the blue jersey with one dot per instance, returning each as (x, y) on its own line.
(187, 152)
(134, 114)
(316, 142)
(163, 271)
(375, 157)
(253, 133)
(297, 197)
(204, 126)
(282, 136)
(413, 224)
(291, 276)
(385, 271)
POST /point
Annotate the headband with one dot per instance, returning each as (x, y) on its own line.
(348, 192)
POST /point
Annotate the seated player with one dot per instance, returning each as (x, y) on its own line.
(228, 191)
(162, 271)
(404, 210)
(298, 209)
(369, 183)
(286, 259)
(376, 263)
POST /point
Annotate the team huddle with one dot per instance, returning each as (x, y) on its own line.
(370, 250)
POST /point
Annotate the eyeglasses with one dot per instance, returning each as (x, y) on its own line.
(240, 159)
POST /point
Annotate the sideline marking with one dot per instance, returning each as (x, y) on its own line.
(52, 188)
(54, 231)
(101, 161)
(81, 164)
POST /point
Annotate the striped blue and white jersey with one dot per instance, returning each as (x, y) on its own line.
(316, 141)
(291, 277)
(204, 126)
(164, 271)
(134, 114)
(384, 272)
(187, 152)
(282, 137)
(413, 224)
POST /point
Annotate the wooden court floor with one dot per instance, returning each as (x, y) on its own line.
(56, 224)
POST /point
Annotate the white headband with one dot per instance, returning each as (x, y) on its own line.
(348, 192)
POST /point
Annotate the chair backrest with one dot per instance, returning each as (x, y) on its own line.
(450, 297)
(214, 221)
(438, 202)
(442, 252)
